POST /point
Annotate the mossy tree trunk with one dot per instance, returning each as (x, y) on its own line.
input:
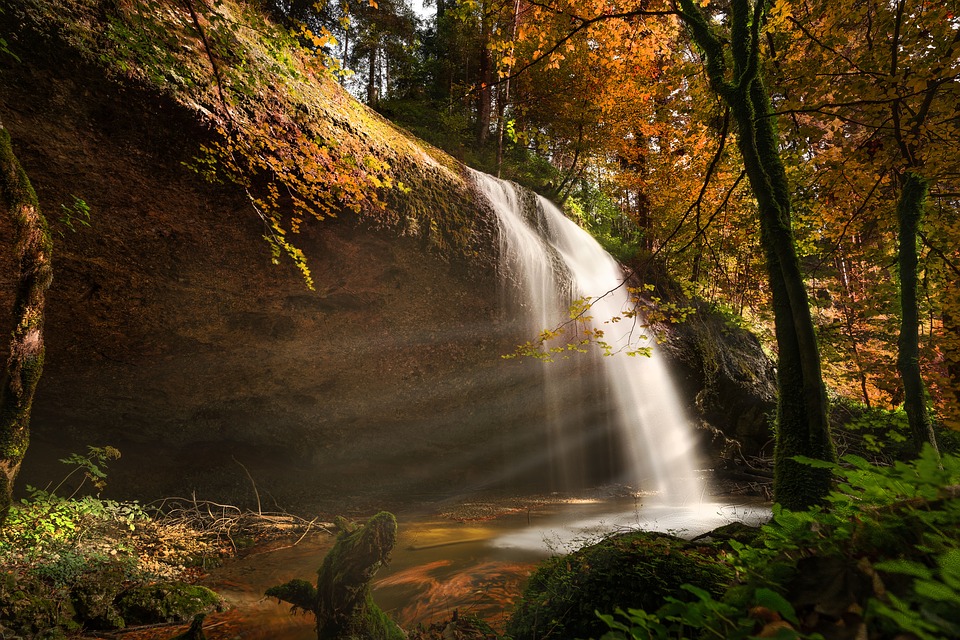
(25, 363)
(913, 197)
(802, 427)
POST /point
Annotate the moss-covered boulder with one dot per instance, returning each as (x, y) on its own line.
(166, 602)
(632, 570)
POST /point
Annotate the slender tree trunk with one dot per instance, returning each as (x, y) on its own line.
(645, 219)
(909, 213)
(505, 98)
(372, 78)
(25, 364)
(802, 427)
(848, 299)
(485, 93)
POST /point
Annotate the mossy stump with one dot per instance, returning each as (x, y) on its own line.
(341, 601)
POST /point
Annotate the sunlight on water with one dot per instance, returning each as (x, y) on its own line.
(550, 262)
(566, 532)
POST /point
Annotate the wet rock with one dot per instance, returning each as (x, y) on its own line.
(720, 368)
(732, 382)
(195, 632)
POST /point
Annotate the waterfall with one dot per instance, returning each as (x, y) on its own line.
(611, 418)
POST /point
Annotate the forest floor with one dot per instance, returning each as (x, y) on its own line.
(62, 545)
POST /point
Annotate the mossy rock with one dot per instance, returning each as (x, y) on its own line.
(166, 602)
(737, 531)
(94, 594)
(632, 570)
(30, 608)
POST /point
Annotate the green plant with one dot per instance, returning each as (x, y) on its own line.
(704, 617)
(74, 215)
(887, 535)
(44, 521)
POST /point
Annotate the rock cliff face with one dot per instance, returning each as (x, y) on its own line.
(726, 379)
(172, 337)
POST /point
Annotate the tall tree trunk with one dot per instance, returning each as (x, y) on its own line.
(485, 92)
(645, 219)
(25, 364)
(372, 78)
(802, 427)
(913, 197)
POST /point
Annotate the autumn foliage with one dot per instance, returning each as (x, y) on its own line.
(864, 92)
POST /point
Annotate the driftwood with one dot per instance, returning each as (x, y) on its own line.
(341, 601)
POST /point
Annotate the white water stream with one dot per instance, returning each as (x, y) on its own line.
(550, 262)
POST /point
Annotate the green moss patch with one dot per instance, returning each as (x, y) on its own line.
(632, 570)
(168, 602)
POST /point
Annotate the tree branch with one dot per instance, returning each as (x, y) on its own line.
(939, 253)
(703, 187)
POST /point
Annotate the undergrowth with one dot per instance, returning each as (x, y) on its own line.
(880, 560)
(56, 537)
(71, 559)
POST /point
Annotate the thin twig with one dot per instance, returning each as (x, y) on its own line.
(250, 477)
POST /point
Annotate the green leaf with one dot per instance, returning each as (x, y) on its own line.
(816, 464)
(950, 568)
(904, 567)
(936, 591)
(775, 602)
(858, 462)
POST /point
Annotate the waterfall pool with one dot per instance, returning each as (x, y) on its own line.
(439, 565)
(598, 421)
(608, 421)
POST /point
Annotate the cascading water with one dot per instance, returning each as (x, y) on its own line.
(618, 413)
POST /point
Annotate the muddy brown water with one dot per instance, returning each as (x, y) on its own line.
(440, 565)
